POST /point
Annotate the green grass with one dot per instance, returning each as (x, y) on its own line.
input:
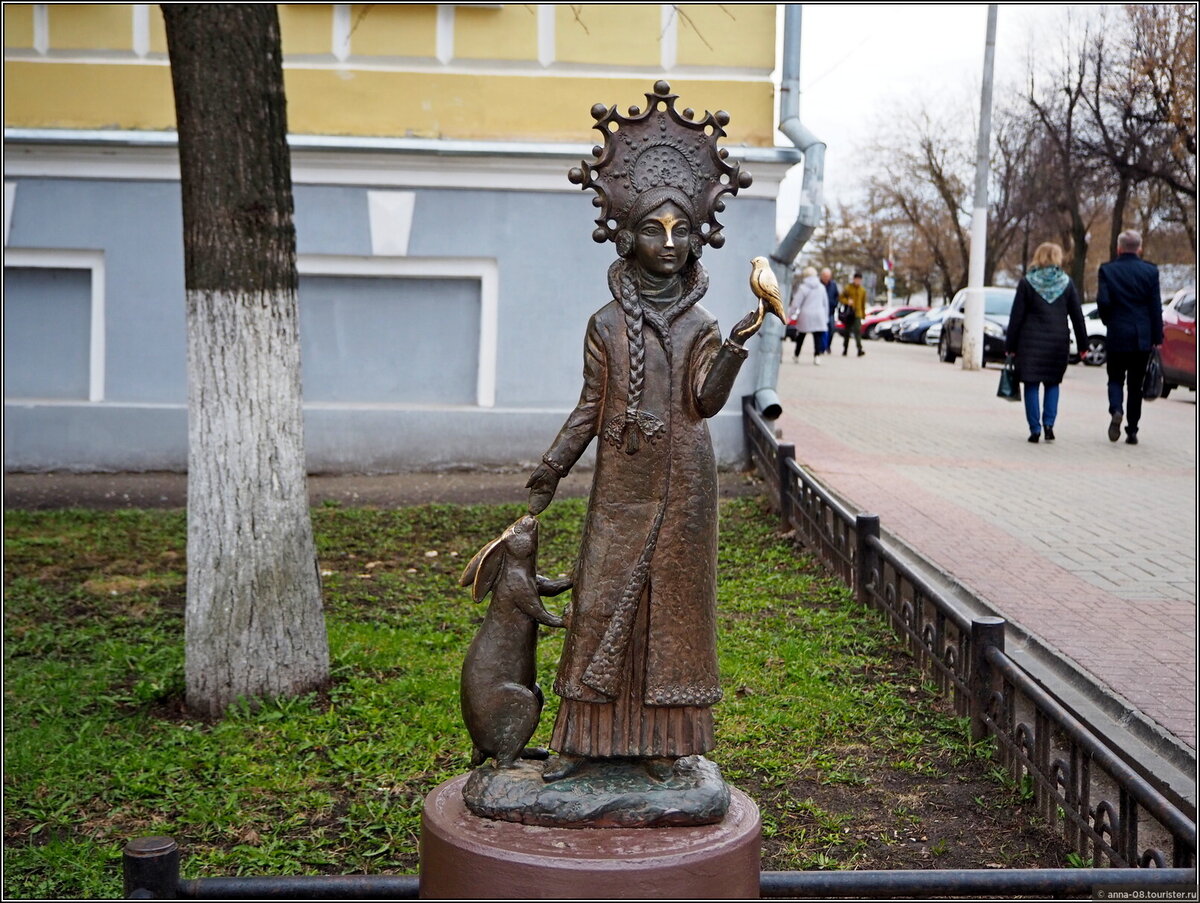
(99, 749)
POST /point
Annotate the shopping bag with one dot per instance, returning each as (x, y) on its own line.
(1010, 386)
(1152, 384)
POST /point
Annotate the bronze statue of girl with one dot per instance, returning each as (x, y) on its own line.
(638, 674)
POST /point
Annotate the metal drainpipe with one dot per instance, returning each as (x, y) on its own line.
(812, 191)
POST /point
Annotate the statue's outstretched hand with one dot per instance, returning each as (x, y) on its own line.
(747, 326)
(542, 485)
(548, 587)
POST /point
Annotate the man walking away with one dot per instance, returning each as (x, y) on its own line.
(854, 308)
(1130, 305)
(831, 289)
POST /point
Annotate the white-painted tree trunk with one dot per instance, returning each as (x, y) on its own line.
(255, 625)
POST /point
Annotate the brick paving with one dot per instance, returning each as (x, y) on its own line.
(1088, 545)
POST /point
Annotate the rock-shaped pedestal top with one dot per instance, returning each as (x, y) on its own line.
(601, 793)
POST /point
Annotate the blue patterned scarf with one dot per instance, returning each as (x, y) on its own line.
(1049, 282)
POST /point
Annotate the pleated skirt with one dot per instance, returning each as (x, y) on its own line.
(627, 726)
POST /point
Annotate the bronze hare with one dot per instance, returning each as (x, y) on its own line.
(501, 701)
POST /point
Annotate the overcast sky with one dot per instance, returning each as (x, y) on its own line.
(860, 63)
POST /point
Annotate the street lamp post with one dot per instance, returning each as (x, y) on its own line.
(972, 350)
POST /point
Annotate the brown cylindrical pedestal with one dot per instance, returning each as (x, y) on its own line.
(464, 856)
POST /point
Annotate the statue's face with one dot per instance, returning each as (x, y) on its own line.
(661, 240)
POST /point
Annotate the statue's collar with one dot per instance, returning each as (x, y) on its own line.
(661, 298)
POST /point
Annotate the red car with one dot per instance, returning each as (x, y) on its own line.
(1179, 342)
(877, 315)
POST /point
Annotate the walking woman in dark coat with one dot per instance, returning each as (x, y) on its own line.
(1039, 338)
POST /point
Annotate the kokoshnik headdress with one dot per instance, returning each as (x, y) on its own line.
(649, 158)
(656, 149)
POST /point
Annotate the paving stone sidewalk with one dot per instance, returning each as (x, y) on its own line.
(1088, 545)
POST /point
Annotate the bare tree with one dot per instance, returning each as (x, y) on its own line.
(254, 622)
(849, 240)
(1164, 59)
(924, 183)
(921, 180)
(1057, 100)
(1120, 104)
(1162, 63)
(1102, 137)
(1018, 188)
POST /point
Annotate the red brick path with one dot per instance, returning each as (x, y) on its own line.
(1087, 544)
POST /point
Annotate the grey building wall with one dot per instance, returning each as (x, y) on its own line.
(47, 318)
(391, 360)
(361, 340)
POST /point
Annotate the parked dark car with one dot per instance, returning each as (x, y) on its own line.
(873, 321)
(1179, 342)
(914, 327)
(888, 329)
(997, 306)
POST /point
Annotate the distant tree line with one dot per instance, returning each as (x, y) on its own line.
(1100, 137)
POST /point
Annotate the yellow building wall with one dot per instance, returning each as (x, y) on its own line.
(18, 26)
(609, 34)
(381, 30)
(726, 34)
(486, 33)
(390, 82)
(306, 29)
(488, 106)
(158, 31)
(87, 96)
(90, 27)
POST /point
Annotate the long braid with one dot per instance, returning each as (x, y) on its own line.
(634, 330)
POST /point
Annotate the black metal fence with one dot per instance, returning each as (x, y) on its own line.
(152, 872)
(1072, 774)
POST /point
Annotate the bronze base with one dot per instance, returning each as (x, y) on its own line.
(602, 793)
(464, 856)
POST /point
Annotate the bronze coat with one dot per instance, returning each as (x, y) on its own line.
(676, 470)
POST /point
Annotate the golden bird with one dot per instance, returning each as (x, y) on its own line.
(766, 287)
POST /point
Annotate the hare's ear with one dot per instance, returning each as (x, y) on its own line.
(481, 572)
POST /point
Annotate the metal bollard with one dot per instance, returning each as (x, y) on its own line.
(787, 452)
(151, 866)
(748, 431)
(865, 557)
(985, 632)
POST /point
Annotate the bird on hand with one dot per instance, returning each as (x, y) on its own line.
(766, 288)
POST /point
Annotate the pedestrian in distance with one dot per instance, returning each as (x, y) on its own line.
(809, 308)
(853, 309)
(831, 289)
(1038, 336)
(1130, 305)
(793, 294)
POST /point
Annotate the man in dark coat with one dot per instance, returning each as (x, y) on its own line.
(1130, 305)
(832, 291)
